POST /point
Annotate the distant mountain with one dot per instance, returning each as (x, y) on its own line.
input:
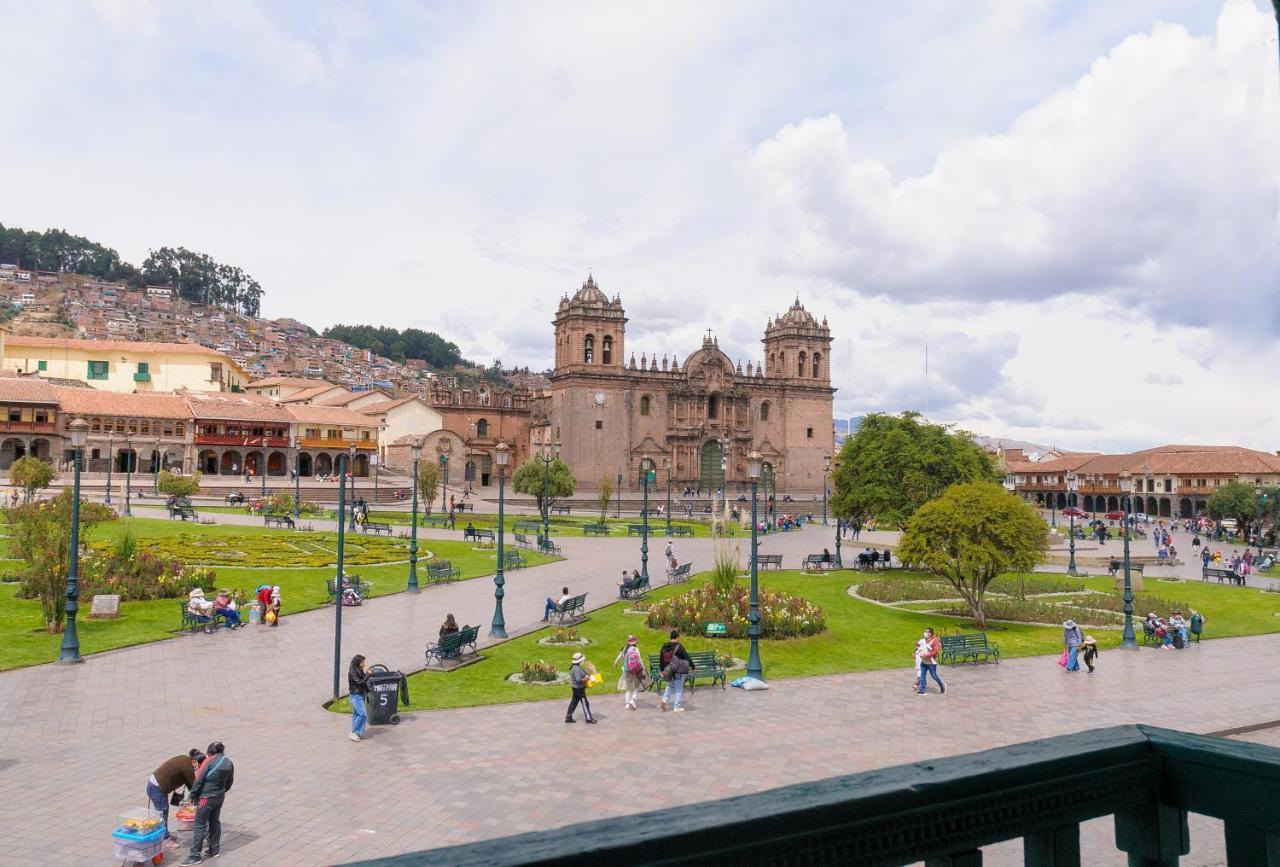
(992, 443)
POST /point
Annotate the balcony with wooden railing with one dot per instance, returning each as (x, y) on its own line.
(337, 444)
(41, 427)
(943, 811)
(243, 441)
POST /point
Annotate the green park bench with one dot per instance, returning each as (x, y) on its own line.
(704, 664)
(527, 527)
(968, 647)
(572, 608)
(561, 510)
(818, 563)
(1219, 572)
(441, 521)
(354, 582)
(192, 622)
(679, 575)
(635, 529)
(513, 560)
(546, 546)
(595, 529)
(442, 571)
(633, 588)
(765, 561)
(480, 537)
(184, 512)
(1118, 566)
(681, 530)
(376, 527)
(522, 540)
(277, 521)
(453, 645)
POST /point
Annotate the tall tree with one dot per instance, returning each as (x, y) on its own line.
(895, 464)
(174, 485)
(531, 476)
(972, 533)
(602, 497)
(31, 474)
(428, 482)
(1241, 502)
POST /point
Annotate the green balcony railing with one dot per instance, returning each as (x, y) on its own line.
(142, 376)
(941, 812)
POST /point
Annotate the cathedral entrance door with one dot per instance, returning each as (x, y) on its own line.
(712, 472)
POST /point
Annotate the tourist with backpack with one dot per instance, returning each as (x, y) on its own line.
(676, 666)
(632, 681)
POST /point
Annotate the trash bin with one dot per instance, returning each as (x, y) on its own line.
(386, 688)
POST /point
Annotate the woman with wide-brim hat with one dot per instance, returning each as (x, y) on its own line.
(1071, 640)
(578, 682)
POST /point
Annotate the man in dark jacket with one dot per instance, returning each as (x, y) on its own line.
(174, 774)
(676, 666)
(212, 783)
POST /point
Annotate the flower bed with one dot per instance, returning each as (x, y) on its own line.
(297, 550)
(781, 615)
(1037, 611)
(564, 637)
(540, 673)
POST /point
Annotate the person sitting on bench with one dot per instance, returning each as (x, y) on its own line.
(826, 556)
(553, 605)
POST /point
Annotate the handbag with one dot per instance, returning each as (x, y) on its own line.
(176, 798)
(595, 679)
(1062, 660)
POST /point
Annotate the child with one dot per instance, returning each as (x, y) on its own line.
(1090, 652)
(274, 606)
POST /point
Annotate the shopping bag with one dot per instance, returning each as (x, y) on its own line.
(595, 680)
(1062, 660)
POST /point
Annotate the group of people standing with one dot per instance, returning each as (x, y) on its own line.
(674, 667)
(207, 777)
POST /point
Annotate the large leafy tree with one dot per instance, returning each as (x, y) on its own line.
(895, 464)
(1240, 501)
(31, 474)
(174, 485)
(531, 476)
(972, 533)
(399, 345)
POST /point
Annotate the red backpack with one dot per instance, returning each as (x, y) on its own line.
(635, 665)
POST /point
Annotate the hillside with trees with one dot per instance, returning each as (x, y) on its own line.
(400, 345)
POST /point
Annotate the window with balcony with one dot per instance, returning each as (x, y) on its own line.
(42, 416)
(15, 413)
(42, 365)
(98, 369)
(179, 430)
(143, 373)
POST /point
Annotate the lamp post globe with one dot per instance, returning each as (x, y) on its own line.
(754, 667)
(1129, 640)
(498, 628)
(1073, 484)
(351, 468)
(416, 451)
(70, 651)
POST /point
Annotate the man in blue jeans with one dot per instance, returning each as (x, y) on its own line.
(676, 666)
(176, 773)
(210, 790)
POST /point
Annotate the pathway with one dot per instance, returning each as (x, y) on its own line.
(76, 744)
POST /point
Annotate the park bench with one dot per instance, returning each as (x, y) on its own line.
(561, 510)
(354, 582)
(192, 622)
(546, 546)
(635, 529)
(441, 521)
(277, 521)
(968, 647)
(235, 499)
(572, 608)
(444, 570)
(764, 561)
(451, 646)
(377, 527)
(1118, 566)
(595, 529)
(462, 507)
(818, 563)
(527, 527)
(1149, 635)
(678, 575)
(681, 530)
(1222, 573)
(522, 540)
(704, 666)
(513, 560)
(183, 512)
(634, 587)
(478, 536)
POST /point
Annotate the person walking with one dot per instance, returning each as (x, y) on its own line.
(175, 773)
(1090, 652)
(358, 688)
(578, 683)
(929, 663)
(675, 667)
(213, 781)
(632, 681)
(1071, 640)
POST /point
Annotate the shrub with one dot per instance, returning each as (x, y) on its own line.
(781, 616)
(724, 571)
(904, 589)
(540, 671)
(1039, 611)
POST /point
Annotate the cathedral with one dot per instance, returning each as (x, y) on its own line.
(692, 422)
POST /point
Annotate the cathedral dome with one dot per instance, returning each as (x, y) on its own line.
(590, 293)
(797, 315)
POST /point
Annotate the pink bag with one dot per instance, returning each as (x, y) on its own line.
(1062, 660)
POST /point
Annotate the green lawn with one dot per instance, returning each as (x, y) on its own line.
(26, 643)
(860, 636)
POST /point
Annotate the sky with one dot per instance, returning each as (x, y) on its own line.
(1073, 205)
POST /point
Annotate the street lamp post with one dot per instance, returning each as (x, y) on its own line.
(416, 451)
(70, 638)
(1073, 484)
(548, 458)
(1262, 511)
(1053, 509)
(498, 629)
(351, 468)
(297, 479)
(111, 459)
(826, 468)
(617, 512)
(754, 668)
(444, 479)
(644, 515)
(129, 458)
(337, 581)
(377, 471)
(666, 468)
(155, 479)
(262, 468)
(1129, 641)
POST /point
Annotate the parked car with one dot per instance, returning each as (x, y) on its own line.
(1076, 511)
(1114, 516)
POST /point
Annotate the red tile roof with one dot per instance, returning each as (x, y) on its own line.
(330, 415)
(91, 401)
(296, 381)
(236, 406)
(26, 390)
(1170, 460)
(385, 405)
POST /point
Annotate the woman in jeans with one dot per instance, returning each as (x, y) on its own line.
(676, 666)
(358, 686)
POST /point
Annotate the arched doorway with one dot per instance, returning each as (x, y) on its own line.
(362, 465)
(324, 464)
(277, 465)
(126, 461)
(1200, 506)
(486, 470)
(647, 465)
(1113, 504)
(304, 464)
(231, 463)
(208, 462)
(10, 450)
(469, 471)
(711, 471)
(1062, 500)
(768, 482)
(40, 449)
(1088, 502)
(1184, 508)
(1166, 510)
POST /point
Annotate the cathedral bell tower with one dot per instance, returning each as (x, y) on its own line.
(797, 348)
(590, 332)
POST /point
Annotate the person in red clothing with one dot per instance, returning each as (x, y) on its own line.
(929, 661)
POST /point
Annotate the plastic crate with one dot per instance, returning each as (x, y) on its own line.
(141, 820)
(141, 852)
(138, 838)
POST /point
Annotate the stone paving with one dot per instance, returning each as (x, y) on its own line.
(77, 743)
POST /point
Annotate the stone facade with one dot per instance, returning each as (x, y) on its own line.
(695, 423)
